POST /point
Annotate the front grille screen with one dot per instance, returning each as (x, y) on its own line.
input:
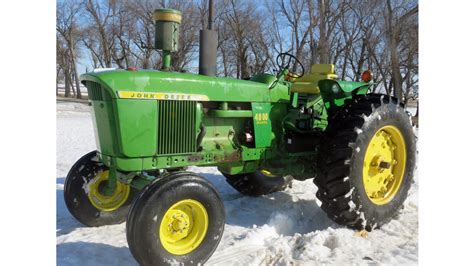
(176, 127)
(94, 91)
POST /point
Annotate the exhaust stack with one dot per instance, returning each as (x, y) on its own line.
(208, 46)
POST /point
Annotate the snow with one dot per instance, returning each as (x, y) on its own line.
(281, 228)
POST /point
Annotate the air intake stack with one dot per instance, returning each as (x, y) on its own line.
(208, 47)
(167, 23)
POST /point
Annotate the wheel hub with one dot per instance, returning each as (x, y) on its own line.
(382, 172)
(103, 199)
(179, 224)
(183, 227)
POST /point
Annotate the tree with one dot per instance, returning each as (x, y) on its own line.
(68, 34)
(100, 12)
(394, 25)
(378, 35)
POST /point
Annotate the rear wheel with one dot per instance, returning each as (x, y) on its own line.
(258, 183)
(366, 162)
(86, 198)
(178, 218)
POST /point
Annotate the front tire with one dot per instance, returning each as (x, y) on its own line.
(178, 218)
(366, 162)
(84, 199)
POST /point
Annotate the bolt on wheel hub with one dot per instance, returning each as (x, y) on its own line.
(179, 223)
(384, 165)
(183, 227)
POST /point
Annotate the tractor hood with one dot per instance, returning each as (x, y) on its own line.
(152, 84)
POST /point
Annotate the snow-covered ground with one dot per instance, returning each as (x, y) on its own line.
(283, 228)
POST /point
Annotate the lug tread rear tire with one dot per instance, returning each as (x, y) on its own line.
(340, 188)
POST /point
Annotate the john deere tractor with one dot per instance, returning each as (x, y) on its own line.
(261, 134)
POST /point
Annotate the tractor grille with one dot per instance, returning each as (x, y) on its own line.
(94, 91)
(176, 127)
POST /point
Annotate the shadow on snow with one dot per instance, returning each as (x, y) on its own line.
(85, 253)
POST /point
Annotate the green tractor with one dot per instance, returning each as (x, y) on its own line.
(262, 133)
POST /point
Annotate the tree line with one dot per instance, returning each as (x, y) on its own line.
(355, 35)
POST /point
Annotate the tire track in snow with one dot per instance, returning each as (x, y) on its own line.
(234, 252)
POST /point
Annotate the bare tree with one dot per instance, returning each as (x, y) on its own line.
(293, 12)
(68, 34)
(394, 24)
(323, 6)
(243, 47)
(189, 34)
(378, 35)
(100, 12)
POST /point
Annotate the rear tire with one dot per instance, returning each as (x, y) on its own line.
(364, 173)
(257, 183)
(157, 235)
(77, 194)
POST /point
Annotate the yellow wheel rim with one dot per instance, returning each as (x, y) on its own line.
(104, 202)
(183, 227)
(267, 173)
(384, 165)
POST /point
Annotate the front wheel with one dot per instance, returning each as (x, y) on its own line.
(86, 198)
(366, 162)
(178, 218)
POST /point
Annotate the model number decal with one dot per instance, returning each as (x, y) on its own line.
(261, 118)
(161, 96)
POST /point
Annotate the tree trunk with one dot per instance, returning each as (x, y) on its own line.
(224, 59)
(312, 41)
(74, 71)
(360, 62)
(67, 89)
(397, 76)
(323, 42)
(71, 81)
(392, 32)
(92, 9)
(57, 80)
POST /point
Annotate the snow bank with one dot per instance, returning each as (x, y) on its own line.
(281, 228)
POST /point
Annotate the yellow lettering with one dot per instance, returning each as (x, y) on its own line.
(261, 117)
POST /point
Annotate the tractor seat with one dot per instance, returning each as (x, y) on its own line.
(308, 83)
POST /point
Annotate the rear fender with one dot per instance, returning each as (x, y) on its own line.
(335, 92)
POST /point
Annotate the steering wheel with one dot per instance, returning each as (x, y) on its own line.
(290, 62)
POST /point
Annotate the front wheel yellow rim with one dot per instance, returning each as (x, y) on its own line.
(267, 173)
(384, 165)
(183, 227)
(100, 200)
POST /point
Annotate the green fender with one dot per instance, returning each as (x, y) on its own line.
(335, 92)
